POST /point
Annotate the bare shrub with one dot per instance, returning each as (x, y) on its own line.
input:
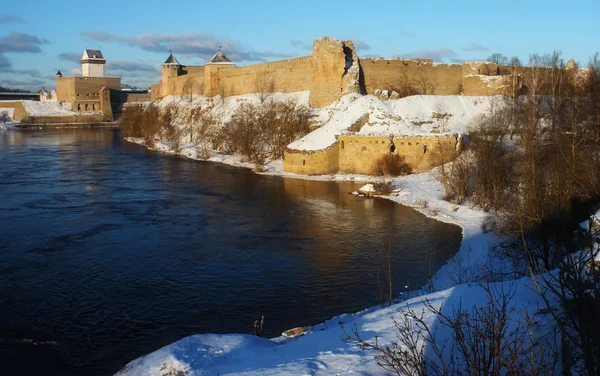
(4, 117)
(493, 339)
(190, 87)
(242, 134)
(391, 164)
(283, 123)
(384, 275)
(260, 131)
(383, 187)
(131, 121)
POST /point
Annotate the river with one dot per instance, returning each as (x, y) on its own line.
(109, 251)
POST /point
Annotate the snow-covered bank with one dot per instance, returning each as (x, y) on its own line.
(321, 351)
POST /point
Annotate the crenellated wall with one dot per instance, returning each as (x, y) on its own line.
(280, 76)
(333, 70)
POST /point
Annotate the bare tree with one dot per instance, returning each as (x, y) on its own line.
(190, 87)
(4, 117)
(263, 85)
(498, 58)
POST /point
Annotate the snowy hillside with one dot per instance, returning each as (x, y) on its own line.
(224, 108)
(415, 115)
(35, 108)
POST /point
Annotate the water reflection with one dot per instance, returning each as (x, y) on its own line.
(110, 251)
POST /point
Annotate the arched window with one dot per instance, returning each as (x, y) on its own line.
(78, 106)
(86, 107)
(304, 162)
(342, 144)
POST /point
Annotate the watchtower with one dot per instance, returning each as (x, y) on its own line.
(171, 68)
(92, 63)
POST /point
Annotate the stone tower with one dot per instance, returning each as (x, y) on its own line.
(92, 63)
(171, 68)
(213, 85)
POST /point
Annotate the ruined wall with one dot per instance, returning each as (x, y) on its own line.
(426, 77)
(335, 71)
(358, 154)
(321, 162)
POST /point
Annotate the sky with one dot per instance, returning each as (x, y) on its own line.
(38, 38)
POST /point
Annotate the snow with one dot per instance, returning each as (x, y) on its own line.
(321, 351)
(367, 188)
(224, 108)
(419, 115)
(35, 108)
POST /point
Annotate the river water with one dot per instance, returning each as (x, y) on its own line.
(109, 251)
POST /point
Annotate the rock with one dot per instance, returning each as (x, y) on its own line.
(384, 95)
(394, 95)
(300, 331)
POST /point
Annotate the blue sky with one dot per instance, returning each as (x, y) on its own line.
(39, 37)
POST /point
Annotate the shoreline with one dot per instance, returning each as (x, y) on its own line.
(422, 192)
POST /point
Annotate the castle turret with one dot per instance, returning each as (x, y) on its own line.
(58, 74)
(213, 70)
(92, 63)
(171, 68)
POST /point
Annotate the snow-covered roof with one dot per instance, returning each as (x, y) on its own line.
(92, 55)
(220, 58)
(171, 60)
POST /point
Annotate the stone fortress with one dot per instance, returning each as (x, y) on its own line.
(92, 91)
(331, 72)
(92, 97)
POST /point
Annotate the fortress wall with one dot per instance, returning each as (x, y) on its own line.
(155, 92)
(43, 120)
(278, 76)
(135, 97)
(175, 85)
(359, 154)
(444, 79)
(192, 69)
(319, 162)
(65, 89)
(485, 85)
(19, 113)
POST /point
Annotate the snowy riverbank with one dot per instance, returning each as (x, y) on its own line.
(321, 351)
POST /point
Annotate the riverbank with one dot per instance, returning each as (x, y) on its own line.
(320, 350)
